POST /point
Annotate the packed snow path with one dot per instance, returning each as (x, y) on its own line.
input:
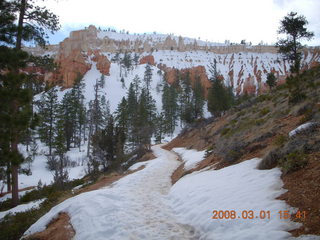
(135, 207)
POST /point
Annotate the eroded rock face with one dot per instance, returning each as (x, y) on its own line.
(244, 67)
(76, 63)
(71, 66)
(197, 73)
(103, 63)
(147, 59)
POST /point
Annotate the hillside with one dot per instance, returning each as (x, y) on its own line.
(243, 67)
(267, 127)
(262, 156)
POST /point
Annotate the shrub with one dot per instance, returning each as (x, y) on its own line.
(264, 111)
(296, 96)
(264, 97)
(270, 160)
(241, 113)
(280, 140)
(259, 122)
(293, 162)
(225, 131)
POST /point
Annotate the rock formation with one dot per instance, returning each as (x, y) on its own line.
(244, 67)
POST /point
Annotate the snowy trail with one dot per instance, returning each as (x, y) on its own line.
(135, 207)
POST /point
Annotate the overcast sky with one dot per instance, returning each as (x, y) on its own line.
(212, 20)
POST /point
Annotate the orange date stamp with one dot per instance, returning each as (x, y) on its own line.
(250, 214)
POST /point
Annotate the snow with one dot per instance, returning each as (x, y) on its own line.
(191, 157)
(302, 128)
(153, 38)
(135, 207)
(41, 173)
(239, 187)
(22, 208)
(9, 195)
(144, 204)
(113, 90)
(137, 165)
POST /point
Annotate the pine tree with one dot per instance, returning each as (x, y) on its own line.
(97, 113)
(294, 27)
(271, 80)
(160, 127)
(198, 99)
(48, 113)
(146, 116)
(220, 97)
(132, 114)
(60, 171)
(136, 59)
(169, 106)
(127, 61)
(30, 25)
(121, 119)
(185, 99)
(148, 76)
(103, 145)
(78, 112)
(102, 81)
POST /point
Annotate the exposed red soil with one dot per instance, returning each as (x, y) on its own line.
(59, 228)
(304, 194)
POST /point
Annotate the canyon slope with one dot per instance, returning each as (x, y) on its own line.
(243, 67)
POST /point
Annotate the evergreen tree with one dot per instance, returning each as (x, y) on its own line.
(220, 98)
(48, 113)
(185, 99)
(121, 128)
(198, 99)
(271, 80)
(136, 84)
(127, 61)
(102, 81)
(136, 59)
(68, 123)
(132, 115)
(148, 76)
(294, 27)
(103, 145)
(60, 171)
(160, 127)
(98, 113)
(169, 106)
(146, 115)
(20, 21)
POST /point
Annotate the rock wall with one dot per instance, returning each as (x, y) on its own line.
(82, 48)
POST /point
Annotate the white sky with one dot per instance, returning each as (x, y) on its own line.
(212, 20)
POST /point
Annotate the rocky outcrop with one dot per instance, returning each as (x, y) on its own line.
(195, 74)
(244, 67)
(71, 65)
(102, 62)
(147, 59)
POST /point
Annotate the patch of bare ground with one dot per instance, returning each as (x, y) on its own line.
(304, 193)
(59, 228)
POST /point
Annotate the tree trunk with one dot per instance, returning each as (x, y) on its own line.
(20, 23)
(15, 186)
(8, 176)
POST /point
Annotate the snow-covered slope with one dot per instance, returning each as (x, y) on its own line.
(143, 205)
(244, 67)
